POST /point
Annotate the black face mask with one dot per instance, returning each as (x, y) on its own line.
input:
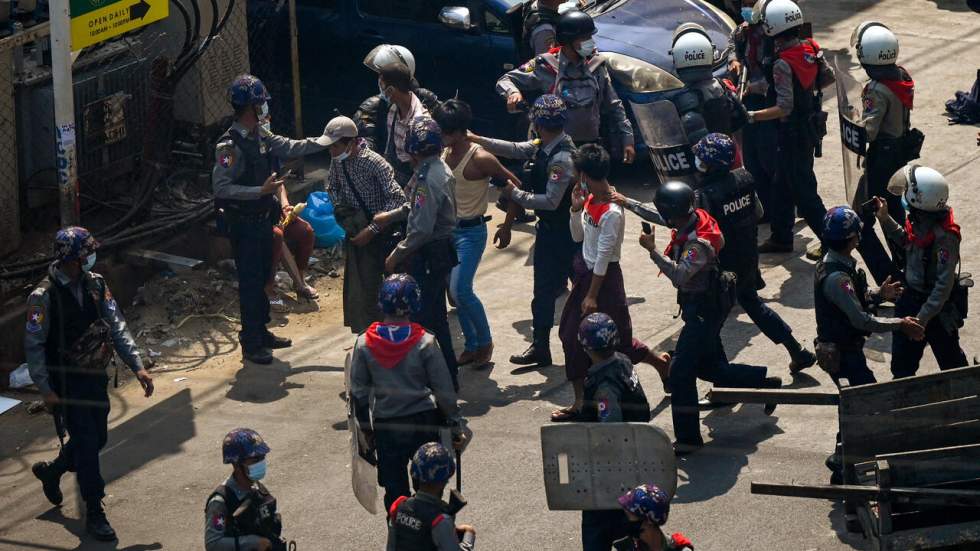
(634, 528)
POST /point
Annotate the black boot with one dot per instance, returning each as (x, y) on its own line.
(771, 382)
(801, 360)
(274, 342)
(258, 355)
(50, 477)
(537, 355)
(96, 523)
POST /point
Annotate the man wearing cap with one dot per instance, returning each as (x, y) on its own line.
(361, 184)
(246, 184)
(430, 216)
(71, 318)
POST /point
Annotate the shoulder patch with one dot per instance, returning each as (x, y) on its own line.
(847, 286)
(943, 256)
(603, 408)
(110, 301)
(35, 319)
(528, 67)
(692, 254)
(420, 193)
(555, 172)
(218, 521)
(225, 156)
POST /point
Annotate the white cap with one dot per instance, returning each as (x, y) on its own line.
(337, 128)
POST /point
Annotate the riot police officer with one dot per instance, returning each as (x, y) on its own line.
(549, 193)
(705, 104)
(73, 326)
(796, 78)
(705, 295)
(424, 521)
(646, 508)
(729, 196)
(931, 242)
(246, 184)
(536, 28)
(579, 76)
(428, 247)
(240, 515)
(887, 102)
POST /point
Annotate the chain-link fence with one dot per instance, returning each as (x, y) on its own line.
(149, 106)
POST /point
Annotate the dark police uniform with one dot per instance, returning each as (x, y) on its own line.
(423, 523)
(224, 532)
(243, 162)
(731, 199)
(59, 313)
(708, 106)
(693, 268)
(551, 198)
(537, 25)
(372, 116)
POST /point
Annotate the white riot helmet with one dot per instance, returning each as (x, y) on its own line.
(924, 188)
(385, 55)
(691, 47)
(875, 44)
(779, 16)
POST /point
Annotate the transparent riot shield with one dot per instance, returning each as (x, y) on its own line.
(661, 128)
(364, 477)
(587, 466)
(854, 138)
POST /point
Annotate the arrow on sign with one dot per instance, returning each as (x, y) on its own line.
(139, 11)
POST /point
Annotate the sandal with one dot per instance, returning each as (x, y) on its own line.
(565, 415)
(307, 292)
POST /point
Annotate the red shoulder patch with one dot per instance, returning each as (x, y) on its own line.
(394, 506)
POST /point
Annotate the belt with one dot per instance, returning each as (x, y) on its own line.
(473, 222)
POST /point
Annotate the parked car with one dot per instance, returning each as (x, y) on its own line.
(462, 47)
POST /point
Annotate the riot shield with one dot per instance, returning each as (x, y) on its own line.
(661, 128)
(854, 138)
(587, 466)
(364, 477)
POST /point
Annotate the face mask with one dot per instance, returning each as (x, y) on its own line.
(586, 48)
(383, 92)
(699, 165)
(256, 471)
(343, 156)
(747, 14)
(89, 262)
(265, 123)
(634, 528)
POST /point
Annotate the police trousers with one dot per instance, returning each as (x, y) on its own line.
(86, 412)
(251, 244)
(853, 367)
(795, 185)
(397, 439)
(907, 353)
(601, 528)
(884, 158)
(431, 271)
(758, 144)
(741, 255)
(554, 250)
(700, 355)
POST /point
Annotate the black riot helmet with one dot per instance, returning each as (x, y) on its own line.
(572, 25)
(674, 199)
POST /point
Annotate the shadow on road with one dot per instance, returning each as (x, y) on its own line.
(262, 384)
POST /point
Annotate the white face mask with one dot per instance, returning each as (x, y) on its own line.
(343, 156)
(586, 48)
(383, 91)
(89, 263)
(265, 123)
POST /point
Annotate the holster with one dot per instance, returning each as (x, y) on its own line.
(817, 128)
(912, 144)
(439, 255)
(828, 356)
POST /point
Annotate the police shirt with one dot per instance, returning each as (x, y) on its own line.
(431, 207)
(689, 269)
(586, 88)
(229, 164)
(38, 323)
(560, 170)
(884, 113)
(542, 35)
(216, 519)
(748, 47)
(443, 528)
(613, 374)
(838, 288)
(782, 76)
(934, 276)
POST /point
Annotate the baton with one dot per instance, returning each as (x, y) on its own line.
(59, 424)
(459, 471)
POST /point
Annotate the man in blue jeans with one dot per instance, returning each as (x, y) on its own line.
(473, 167)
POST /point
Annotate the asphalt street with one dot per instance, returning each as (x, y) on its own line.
(163, 457)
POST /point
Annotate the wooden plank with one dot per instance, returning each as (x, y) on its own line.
(911, 391)
(864, 447)
(908, 420)
(788, 396)
(934, 467)
(174, 262)
(26, 36)
(936, 536)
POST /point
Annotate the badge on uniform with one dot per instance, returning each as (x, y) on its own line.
(692, 254)
(943, 256)
(603, 408)
(419, 196)
(869, 105)
(528, 67)
(110, 302)
(226, 157)
(847, 286)
(35, 319)
(218, 522)
(555, 173)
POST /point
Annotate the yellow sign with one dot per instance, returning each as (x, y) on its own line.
(93, 21)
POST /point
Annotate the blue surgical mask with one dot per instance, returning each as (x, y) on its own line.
(586, 48)
(256, 471)
(89, 263)
(747, 15)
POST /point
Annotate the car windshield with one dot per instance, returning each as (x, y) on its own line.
(607, 5)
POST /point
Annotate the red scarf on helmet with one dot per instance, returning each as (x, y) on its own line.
(802, 58)
(386, 351)
(903, 89)
(705, 228)
(926, 241)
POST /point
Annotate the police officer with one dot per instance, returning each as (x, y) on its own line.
(705, 295)
(705, 103)
(246, 187)
(729, 196)
(428, 247)
(538, 21)
(371, 115)
(844, 304)
(73, 325)
(258, 527)
(887, 102)
(401, 389)
(578, 75)
(424, 522)
(646, 508)
(798, 74)
(550, 195)
(750, 61)
(931, 242)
